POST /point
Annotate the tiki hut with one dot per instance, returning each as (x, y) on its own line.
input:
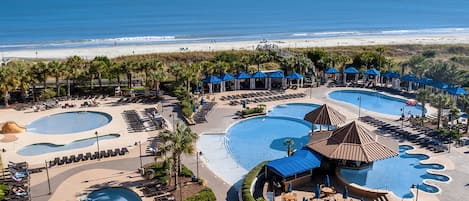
(325, 115)
(353, 142)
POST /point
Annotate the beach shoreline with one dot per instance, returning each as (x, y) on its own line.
(126, 50)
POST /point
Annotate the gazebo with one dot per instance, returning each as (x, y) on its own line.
(226, 77)
(210, 80)
(295, 76)
(325, 115)
(372, 72)
(425, 81)
(353, 142)
(243, 76)
(409, 78)
(276, 75)
(258, 75)
(330, 70)
(390, 75)
(351, 70)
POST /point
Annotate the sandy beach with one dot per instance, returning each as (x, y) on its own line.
(116, 51)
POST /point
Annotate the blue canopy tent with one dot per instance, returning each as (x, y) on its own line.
(351, 70)
(239, 77)
(302, 161)
(390, 75)
(276, 75)
(295, 76)
(409, 78)
(328, 71)
(210, 80)
(425, 81)
(440, 85)
(457, 91)
(258, 75)
(226, 77)
(372, 72)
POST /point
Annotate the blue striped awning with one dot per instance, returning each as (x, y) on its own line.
(303, 160)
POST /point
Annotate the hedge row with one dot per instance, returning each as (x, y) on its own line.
(246, 187)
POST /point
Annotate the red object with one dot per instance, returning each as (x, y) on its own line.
(411, 102)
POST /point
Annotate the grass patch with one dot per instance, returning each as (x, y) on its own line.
(246, 186)
(205, 194)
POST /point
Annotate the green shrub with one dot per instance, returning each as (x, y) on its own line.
(3, 191)
(246, 186)
(161, 171)
(205, 194)
(252, 110)
(48, 93)
(186, 172)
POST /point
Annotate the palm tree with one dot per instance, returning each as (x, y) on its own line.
(262, 57)
(464, 100)
(36, 76)
(157, 75)
(289, 142)
(73, 68)
(441, 101)
(8, 82)
(57, 70)
(180, 141)
(175, 69)
(423, 96)
(24, 77)
(115, 71)
(147, 67)
(99, 66)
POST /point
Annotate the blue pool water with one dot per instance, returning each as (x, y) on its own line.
(43, 148)
(396, 174)
(375, 102)
(32, 24)
(258, 139)
(69, 122)
(113, 194)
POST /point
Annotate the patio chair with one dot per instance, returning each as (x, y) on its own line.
(87, 156)
(78, 158)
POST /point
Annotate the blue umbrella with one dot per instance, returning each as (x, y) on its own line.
(372, 71)
(317, 192)
(290, 187)
(211, 79)
(345, 195)
(327, 182)
(202, 101)
(294, 76)
(331, 70)
(351, 70)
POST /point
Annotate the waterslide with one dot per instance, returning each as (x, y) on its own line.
(12, 127)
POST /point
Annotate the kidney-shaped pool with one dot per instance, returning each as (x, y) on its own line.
(69, 122)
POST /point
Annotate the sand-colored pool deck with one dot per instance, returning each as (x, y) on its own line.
(120, 171)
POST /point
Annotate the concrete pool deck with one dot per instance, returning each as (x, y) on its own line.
(219, 119)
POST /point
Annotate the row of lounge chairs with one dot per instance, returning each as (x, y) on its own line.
(425, 137)
(268, 99)
(135, 124)
(249, 95)
(200, 115)
(16, 176)
(156, 120)
(88, 156)
(138, 99)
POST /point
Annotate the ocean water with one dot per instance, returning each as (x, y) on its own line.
(31, 24)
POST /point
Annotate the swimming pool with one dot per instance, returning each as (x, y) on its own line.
(113, 194)
(44, 148)
(258, 139)
(69, 122)
(397, 174)
(376, 102)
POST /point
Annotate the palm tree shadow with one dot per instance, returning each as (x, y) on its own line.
(278, 144)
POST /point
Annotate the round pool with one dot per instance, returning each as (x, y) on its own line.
(69, 122)
(396, 174)
(258, 139)
(113, 194)
(376, 102)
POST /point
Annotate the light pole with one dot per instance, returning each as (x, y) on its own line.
(416, 186)
(198, 155)
(48, 180)
(140, 150)
(174, 126)
(402, 116)
(359, 106)
(97, 144)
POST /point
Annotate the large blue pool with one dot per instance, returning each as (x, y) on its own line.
(43, 148)
(69, 122)
(258, 139)
(396, 174)
(376, 102)
(113, 194)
